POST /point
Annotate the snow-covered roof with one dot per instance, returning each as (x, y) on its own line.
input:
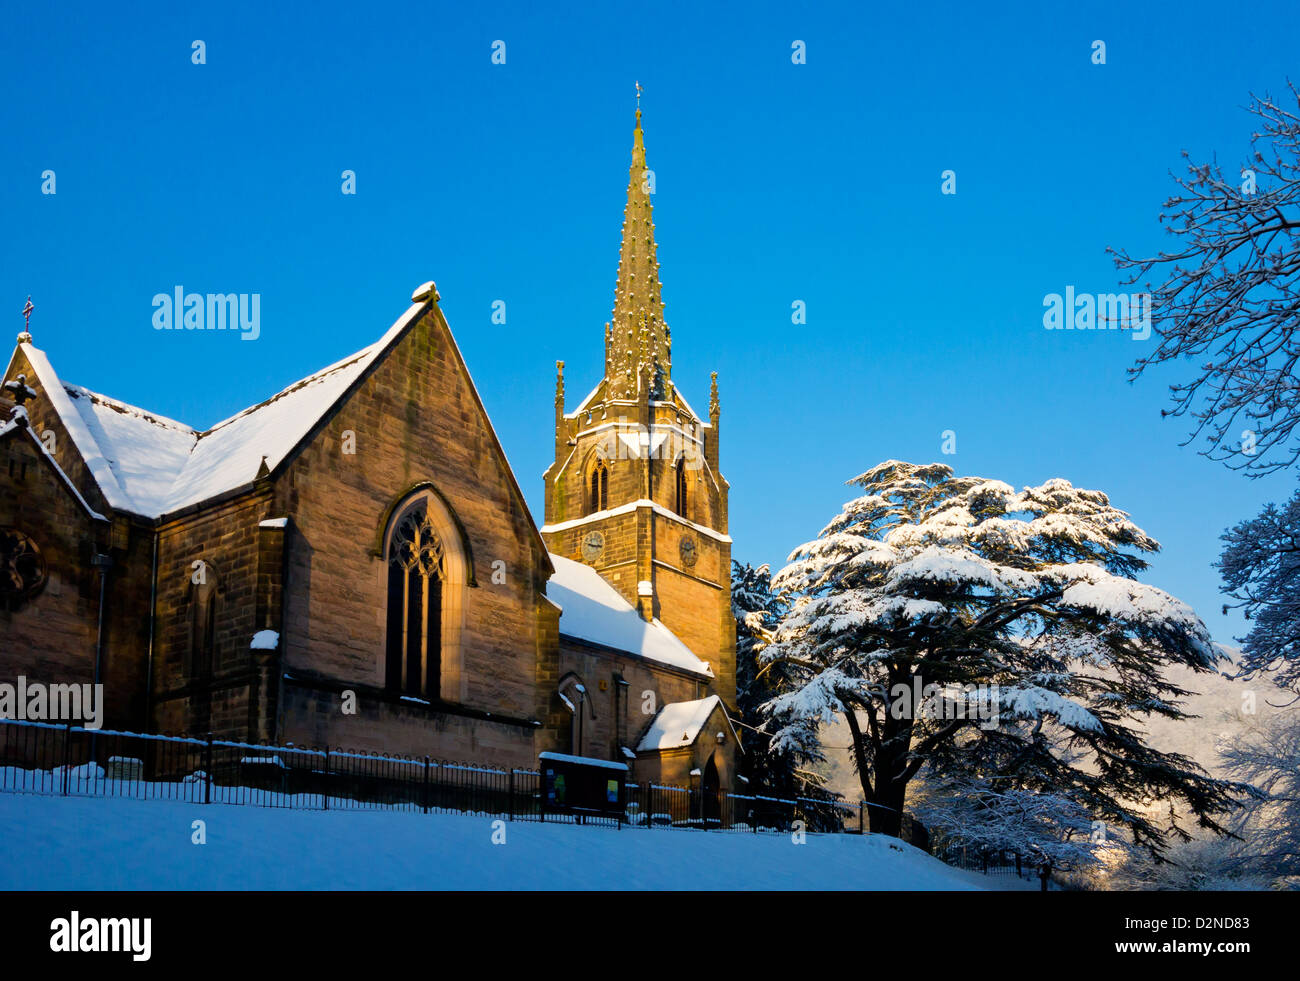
(150, 465)
(595, 611)
(143, 452)
(678, 724)
(230, 453)
(585, 760)
(632, 506)
(132, 454)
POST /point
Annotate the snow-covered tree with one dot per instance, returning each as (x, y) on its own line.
(1263, 851)
(1205, 863)
(758, 610)
(960, 625)
(1049, 831)
(1268, 758)
(1260, 566)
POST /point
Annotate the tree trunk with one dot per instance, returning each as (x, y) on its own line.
(886, 816)
(885, 795)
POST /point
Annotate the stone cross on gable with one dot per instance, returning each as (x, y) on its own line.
(20, 389)
(20, 392)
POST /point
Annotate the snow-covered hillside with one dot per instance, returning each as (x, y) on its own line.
(96, 843)
(1220, 716)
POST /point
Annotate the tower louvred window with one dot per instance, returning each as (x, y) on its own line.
(599, 497)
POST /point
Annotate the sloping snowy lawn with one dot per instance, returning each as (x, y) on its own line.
(104, 843)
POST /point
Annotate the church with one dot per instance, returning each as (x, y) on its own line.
(351, 562)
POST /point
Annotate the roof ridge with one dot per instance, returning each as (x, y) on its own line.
(204, 477)
(291, 388)
(148, 415)
(159, 419)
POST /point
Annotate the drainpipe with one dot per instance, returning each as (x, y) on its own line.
(103, 563)
(582, 700)
(621, 687)
(153, 616)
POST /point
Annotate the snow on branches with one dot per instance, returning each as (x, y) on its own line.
(1045, 828)
(1227, 303)
(1260, 566)
(758, 611)
(1017, 613)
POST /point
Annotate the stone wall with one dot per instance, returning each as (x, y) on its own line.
(416, 427)
(49, 638)
(623, 713)
(219, 544)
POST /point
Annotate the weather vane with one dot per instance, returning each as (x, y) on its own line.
(638, 96)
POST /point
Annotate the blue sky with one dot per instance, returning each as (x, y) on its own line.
(775, 182)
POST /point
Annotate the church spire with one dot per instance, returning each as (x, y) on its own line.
(638, 350)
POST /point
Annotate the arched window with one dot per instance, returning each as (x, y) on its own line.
(417, 572)
(599, 488)
(203, 622)
(681, 502)
(577, 699)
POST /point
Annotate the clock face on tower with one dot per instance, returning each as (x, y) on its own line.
(689, 554)
(592, 545)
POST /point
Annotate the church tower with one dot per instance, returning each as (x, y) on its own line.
(635, 491)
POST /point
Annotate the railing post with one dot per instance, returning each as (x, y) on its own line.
(67, 755)
(325, 791)
(424, 793)
(862, 817)
(510, 796)
(207, 771)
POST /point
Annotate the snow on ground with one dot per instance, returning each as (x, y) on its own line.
(86, 843)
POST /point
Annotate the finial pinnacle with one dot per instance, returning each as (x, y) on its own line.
(634, 343)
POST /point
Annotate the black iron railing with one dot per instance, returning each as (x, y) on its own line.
(45, 758)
